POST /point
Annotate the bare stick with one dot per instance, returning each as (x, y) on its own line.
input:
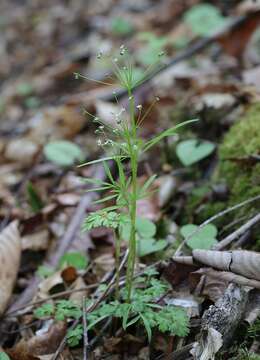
(214, 217)
(85, 330)
(235, 235)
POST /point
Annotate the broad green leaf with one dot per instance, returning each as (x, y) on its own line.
(196, 238)
(121, 26)
(145, 228)
(24, 89)
(148, 246)
(75, 259)
(62, 152)
(4, 356)
(204, 19)
(191, 151)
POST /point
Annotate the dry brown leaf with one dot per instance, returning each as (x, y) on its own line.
(36, 241)
(230, 277)
(61, 122)
(46, 285)
(47, 342)
(77, 296)
(10, 253)
(242, 262)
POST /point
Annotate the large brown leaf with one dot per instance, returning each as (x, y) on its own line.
(10, 253)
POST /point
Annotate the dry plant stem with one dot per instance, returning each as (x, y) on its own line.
(214, 217)
(64, 243)
(236, 234)
(52, 297)
(85, 336)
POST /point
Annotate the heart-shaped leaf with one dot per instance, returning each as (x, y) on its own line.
(63, 153)
(204, 238)
(191, 151)
(147, 246)
(145, 228)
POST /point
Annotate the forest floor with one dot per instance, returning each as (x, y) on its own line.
(197, 278)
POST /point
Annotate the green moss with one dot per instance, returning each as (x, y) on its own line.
(236, 169)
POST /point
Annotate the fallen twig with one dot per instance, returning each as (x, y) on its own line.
(235, 235)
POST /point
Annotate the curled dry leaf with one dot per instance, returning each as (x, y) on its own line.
(10, 253)
(48, 342)
(242, 262)
(229, 277)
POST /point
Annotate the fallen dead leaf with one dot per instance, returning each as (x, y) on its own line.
(10, 253)
(36, 241)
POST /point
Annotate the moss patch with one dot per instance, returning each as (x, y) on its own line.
(237, 168)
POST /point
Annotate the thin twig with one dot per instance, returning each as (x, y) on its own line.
(214, 217)
(235, 235)
(85, 329)
(51, 297)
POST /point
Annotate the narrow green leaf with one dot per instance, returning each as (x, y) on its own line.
(166, 133)
(147, 327)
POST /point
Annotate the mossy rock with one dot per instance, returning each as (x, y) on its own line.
(237, 169)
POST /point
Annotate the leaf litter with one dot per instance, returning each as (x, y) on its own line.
(45, 133)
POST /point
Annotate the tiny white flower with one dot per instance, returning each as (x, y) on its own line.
(139, 107)
(115, 60)
(99, 142)
(96, 118)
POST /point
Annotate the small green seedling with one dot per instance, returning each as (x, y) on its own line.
(75, 259)
(196, 238)
(192, 151)
(204, 19)
(4, 356)
(34, 198)
(121, 26)
(63, 153)
(145, 232)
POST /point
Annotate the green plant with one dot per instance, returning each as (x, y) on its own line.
(62, 152)
(191, 151)
(152, 46)
(144, 310)
(123, 143)
(75, 259)
(4, 356)
(204, 19)
(122, 27)
(204, 238)
(63, 309)
(34, 198)
(74, 336)
(45, 271)
(145, 242)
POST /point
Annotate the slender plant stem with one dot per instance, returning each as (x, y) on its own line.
(133, 198)
(117, 263)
